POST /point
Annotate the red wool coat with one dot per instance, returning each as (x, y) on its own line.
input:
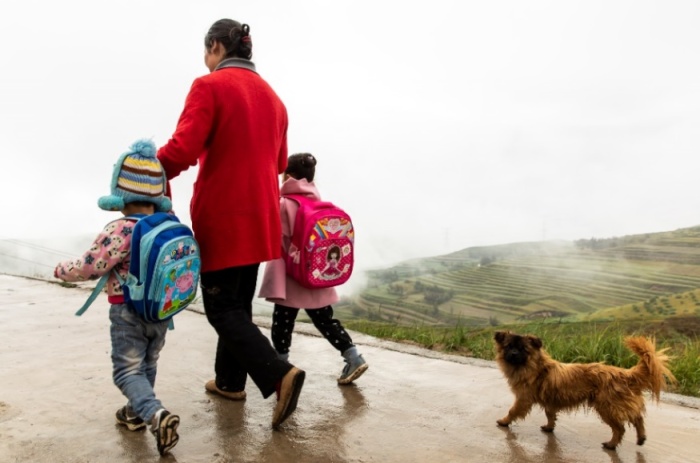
(235, 126)
(277, 286)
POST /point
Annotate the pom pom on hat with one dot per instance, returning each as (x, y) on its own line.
(138, 176)
(145, 148)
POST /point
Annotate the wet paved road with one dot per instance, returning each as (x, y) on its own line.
(57, 401)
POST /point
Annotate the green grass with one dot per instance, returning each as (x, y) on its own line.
(686, 366)
(566, 342)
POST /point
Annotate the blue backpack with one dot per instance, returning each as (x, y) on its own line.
(164, 269)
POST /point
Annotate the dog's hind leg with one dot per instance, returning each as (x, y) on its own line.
(641, 432)
(551, 419)
(618, 430)
(520, 409)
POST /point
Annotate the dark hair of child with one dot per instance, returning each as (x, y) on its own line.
(301, 165)
(142, 203)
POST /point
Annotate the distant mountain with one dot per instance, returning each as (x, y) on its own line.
(653, 275)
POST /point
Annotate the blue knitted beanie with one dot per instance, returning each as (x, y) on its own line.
(138, 176)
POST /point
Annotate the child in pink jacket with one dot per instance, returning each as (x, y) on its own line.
(289, 296)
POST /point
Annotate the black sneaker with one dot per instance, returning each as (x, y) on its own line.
(127, 417)
(164, 428)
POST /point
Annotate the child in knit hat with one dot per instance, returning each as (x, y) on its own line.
(138, 187)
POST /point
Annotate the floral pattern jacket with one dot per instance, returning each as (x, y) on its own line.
(110, 250)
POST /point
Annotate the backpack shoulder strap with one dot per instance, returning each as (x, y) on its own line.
(148, 241)
(306, 201)
(291, 220)
(303, 204)
(95, 292)
(300, 199)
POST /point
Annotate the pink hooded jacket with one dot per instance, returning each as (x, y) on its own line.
(277, 286)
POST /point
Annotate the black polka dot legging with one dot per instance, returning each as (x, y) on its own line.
(283, 319)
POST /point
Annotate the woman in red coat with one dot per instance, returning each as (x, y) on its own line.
(235, 126)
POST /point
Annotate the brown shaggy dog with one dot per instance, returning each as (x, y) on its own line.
(615, 393)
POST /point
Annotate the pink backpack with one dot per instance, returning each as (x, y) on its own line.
(321, 252)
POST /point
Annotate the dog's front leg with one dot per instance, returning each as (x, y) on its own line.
(520, 409)
(551, 419)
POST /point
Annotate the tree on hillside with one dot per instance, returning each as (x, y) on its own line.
(434, 295)
(396, 289)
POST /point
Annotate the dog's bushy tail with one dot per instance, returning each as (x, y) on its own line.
(652, 369)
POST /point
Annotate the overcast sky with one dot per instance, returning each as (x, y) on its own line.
(438, 125)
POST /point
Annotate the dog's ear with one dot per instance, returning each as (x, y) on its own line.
(535, 341)
(500, 336)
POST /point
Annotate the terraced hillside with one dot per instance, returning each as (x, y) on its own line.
(639, 274)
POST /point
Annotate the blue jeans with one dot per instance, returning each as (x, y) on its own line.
(136, 346)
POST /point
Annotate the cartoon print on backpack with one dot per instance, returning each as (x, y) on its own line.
(332, 271)
(181, 287)
(326, 258)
